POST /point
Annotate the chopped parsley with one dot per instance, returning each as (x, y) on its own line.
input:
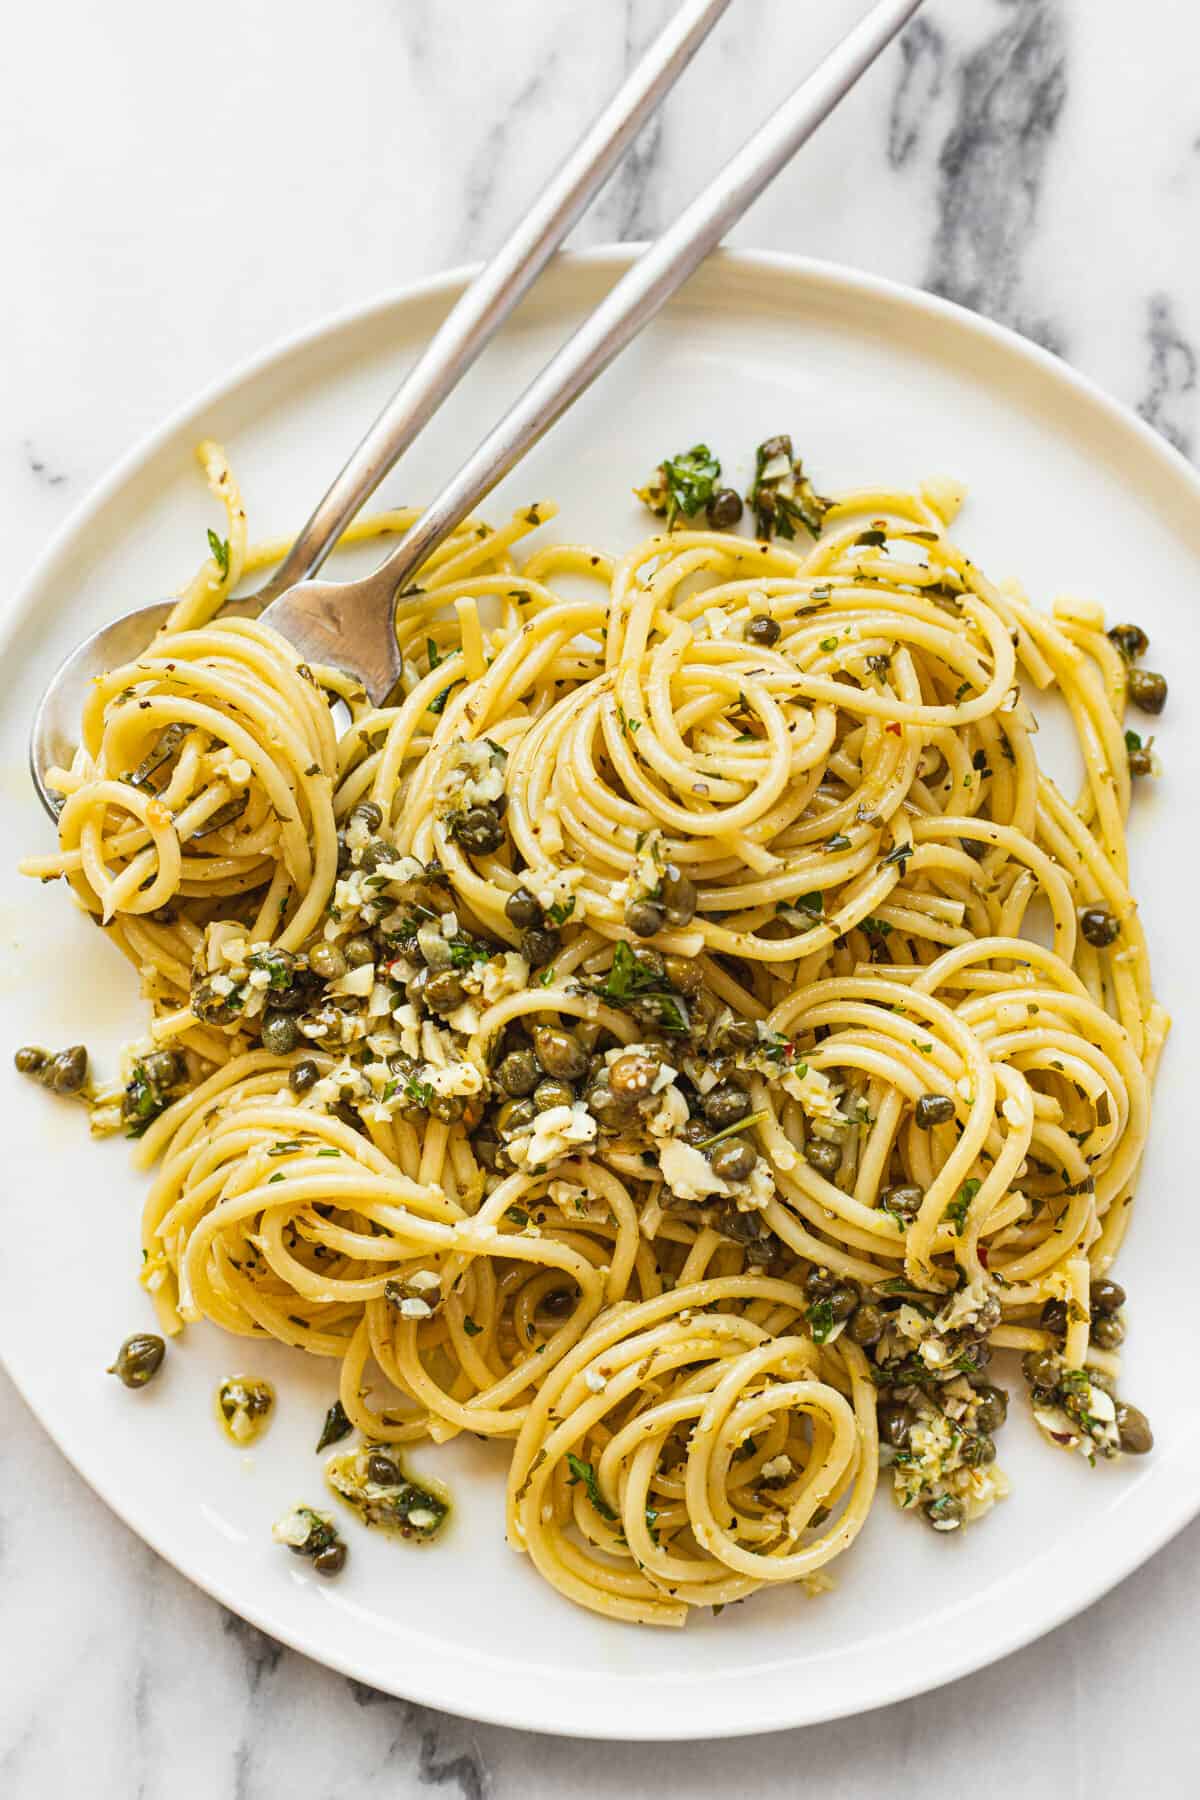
(781, 496)
(682, 485)
(956, 1212)
(337, 1426)
(583, 1471)
(220, 552)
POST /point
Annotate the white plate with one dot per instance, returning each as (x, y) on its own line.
(876, 384)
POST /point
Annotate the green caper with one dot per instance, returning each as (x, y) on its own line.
(279, 1033)
(540, 945)
(358, 951)
(724, 509)
(903, 1197)
(945, 1513)
(734, 1159)
(368, 814)
(164, 1069)
(67, 1072)
(695, 1131)
(139, 1359)
(1054, 1317)
(1106, 1296)
(303, 1075)
(331, 1560)
(31, 1060)
(895, 1423)
(559, 1052)
(608, 1108)
(552, 1092)
(514, 1115)
(734, 1034)
(448, 1108)
(934, 1109)
(843, 1299)
(1041, 1368)
(522, 909)
(724, 1105)
(1147, 690)
(382, 1470)
(479, 830)
(327, 962)
(518, 1073)
(559, 1303)
(1141, 760)
(486, 1149)
(679, 895)
(1099, 925)
(824, 1157)
(1133, 1429)
(1108, 1331)
(684, 974)
(991, 1409)
(867, 1323)
(762, 630)
(645, 917)
(374, 854)
(1130, 640)
(633, 1074)
(978, 1451)
(444, 991)
(819, 1283)
(650, 961)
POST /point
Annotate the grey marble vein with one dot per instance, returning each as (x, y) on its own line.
(38, 466)
(922, 69)
(1169, 401)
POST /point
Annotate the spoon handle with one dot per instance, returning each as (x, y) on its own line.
(495, 291)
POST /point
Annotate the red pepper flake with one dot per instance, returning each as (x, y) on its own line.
(981, 1251)
(893, 729)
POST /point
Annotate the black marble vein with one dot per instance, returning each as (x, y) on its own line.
(922, 71)
(1010, 94)
(260, 1653)
(1168, 403)
(462, 1770)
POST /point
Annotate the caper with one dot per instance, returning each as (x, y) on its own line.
(824, 1157)
(374, 854)
(1147, 690)
(1133, 1429)
(303, 1075)
(903, 1197)
(645, 917)
(695, 1130)
(486, 1149)
(358, 951)
(331, 1560)
(559, 1303)
(382, 1470)
(514, 1115)
(632, 1075)
(1054, 1317)
(1108, 1331)
(444, 991)
(344, 855)
(1141, 761)
(724, 1105)
(819, 1283)
(762, 630)
(279, 1033)
(843, 1299)
(367, 814)
(610, 1109)
(1130, 640)
(978, 1451)
(448, 1108)
(479, 830)
(734, 1159)
(650, 961)
(734, 1034)
(559, 1052)
(934, 1109)
(67, 1072)
(991, 1409)
(867, 1324)
(679, 895)
(541, 945)
(945, 1513)
(1106, 1296)
(31, 1060)
(518, 1073)
(164, 1069)
(139, 1359)
(327, 962)
(522, 909)
(1041, 1368)
(724, 509)
(1099, 925)
(895, 1423)
(552, 1092)
(684, 974)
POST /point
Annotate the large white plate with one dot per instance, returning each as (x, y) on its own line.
(876, 384)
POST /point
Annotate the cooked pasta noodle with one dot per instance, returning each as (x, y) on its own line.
(683, 1028)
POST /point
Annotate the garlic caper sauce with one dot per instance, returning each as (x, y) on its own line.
(244, 1404)
(371, 1480)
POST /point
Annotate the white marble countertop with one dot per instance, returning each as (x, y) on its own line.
(183, 184)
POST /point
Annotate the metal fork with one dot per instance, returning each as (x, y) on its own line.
(351, 624)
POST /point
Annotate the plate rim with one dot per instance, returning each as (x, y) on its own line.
(574, 1716)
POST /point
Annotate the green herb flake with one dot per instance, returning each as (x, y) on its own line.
(220, 552)
(583, 1471)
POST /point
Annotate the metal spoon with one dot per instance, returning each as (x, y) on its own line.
(351, 624)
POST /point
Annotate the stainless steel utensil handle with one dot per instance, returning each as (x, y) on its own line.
(644, 288)
(483, 308)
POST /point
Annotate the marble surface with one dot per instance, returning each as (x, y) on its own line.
(183, 184)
